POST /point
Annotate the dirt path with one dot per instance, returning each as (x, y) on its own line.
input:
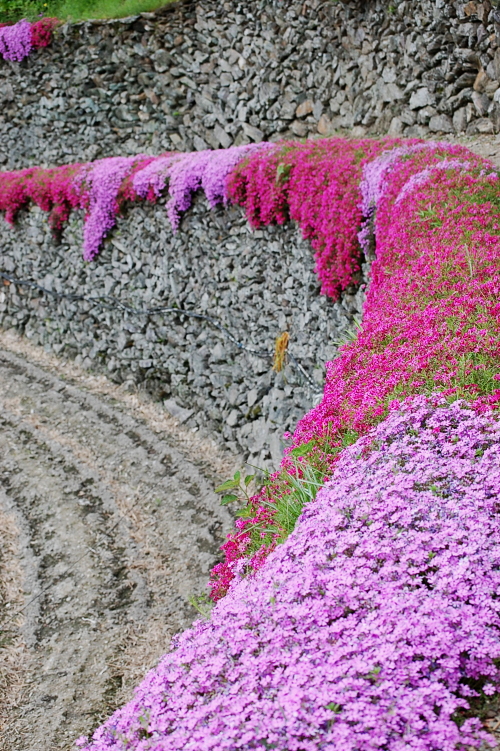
(106, 529)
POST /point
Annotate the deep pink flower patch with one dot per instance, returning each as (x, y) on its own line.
(41, 32)
(53, 190)
(317, 185)
(374, 626)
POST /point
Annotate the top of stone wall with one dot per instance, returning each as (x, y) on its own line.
(210, 74)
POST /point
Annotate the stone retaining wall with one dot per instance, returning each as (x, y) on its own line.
(209, 73)
(257, 284)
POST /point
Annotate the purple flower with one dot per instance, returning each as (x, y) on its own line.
(153, 178)
(100, 182)
(365, 629)
(15, 41)
(187, 173)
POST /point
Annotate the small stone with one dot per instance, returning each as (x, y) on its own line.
(269, 92)
(359, 131)
(484, 126)
(415, 131)
(470, 8)
(481, 103)
(199, 143)
(468, 56)
(425, 114)
(391, 92)
(317, 110)
(441, 124)
(491, 88)
(233, 418)
(396, 127)
(465, 81)
(299, 129)
(305, 108)
(408, 117)
(180, 413)
(223, 138)
(481, 81)
(123, 113)
(325, 127)
(252, 132)
(162, 61)
(460, 120)
(6, 92)
(421, 98)
(252, 397)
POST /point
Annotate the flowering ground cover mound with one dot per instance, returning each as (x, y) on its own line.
(374, 626)
(18, 40)
(430, 321)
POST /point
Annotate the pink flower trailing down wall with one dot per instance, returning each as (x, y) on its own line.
(18, 40)
(317, 185)
(372, 627)
(103, 187)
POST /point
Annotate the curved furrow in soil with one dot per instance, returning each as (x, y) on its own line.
(115, 529)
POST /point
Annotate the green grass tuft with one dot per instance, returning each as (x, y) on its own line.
(75, 10)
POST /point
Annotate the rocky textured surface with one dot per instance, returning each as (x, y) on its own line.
(116, 527)
(212, 73)
(256, 284)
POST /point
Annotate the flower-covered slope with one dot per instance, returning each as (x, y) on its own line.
(18, 40)
(372, 627)
(431, 320)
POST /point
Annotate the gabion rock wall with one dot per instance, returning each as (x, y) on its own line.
(209, 73)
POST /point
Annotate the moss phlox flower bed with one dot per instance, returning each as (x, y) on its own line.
(374, 626)
(18, 40)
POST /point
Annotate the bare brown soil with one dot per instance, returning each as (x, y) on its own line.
(108, 523)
